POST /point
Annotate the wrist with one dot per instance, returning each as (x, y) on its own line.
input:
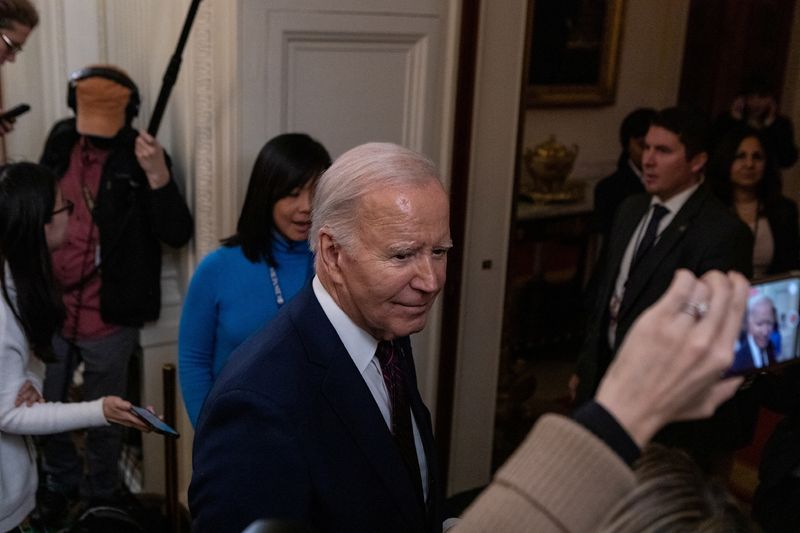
(157, 179)
(641, 427)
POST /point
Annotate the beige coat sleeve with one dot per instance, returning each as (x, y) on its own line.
(561, 479)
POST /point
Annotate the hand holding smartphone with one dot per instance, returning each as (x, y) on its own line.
(155, 423)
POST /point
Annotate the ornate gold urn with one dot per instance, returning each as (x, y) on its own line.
(549, 165)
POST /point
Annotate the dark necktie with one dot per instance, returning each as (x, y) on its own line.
(389, 358)
(650, 234)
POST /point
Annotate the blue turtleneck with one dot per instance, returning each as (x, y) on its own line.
(229, 299)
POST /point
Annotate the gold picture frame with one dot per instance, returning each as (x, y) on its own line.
(572, 52)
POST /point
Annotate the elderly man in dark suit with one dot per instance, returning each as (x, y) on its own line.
(677, 224)
(317, 418)
(755, 348)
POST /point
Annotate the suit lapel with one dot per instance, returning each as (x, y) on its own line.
(423, 420)
(348, 395)
(667, 241)
(620, 236)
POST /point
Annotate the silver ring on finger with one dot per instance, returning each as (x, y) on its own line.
(696, 310)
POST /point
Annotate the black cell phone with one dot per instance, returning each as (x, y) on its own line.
(155, 423)
(14, 112)
(769, 335)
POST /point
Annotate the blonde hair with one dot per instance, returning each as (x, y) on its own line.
(673, 495)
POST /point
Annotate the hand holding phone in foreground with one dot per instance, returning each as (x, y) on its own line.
(118, 411)
(154, 422)
(669, 365)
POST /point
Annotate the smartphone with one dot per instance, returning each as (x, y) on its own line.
(155, 423)
(769, 335)
(14, 112)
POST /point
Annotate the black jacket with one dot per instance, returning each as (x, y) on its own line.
(703, 236)
(783, 222)
(132, 219)
(612, 190)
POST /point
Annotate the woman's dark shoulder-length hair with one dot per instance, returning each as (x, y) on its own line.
(719, 168)
(27, 200)
(287, 162)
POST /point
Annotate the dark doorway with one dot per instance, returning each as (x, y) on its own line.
(728, 41)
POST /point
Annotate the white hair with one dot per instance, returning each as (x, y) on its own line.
(356, 173)
(760, 299)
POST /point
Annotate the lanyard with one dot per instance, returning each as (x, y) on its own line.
(276, 287)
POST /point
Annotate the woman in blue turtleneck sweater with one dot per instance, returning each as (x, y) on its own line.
(239, 288)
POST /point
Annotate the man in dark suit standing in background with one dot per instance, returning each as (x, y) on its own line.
(317, 418)
(677, 224)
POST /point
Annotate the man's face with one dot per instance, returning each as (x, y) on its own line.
(760, 323)
(390, 279)
(17, 34)
(666, 171)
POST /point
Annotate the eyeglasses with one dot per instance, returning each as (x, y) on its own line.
(14, 48)
(68, 206)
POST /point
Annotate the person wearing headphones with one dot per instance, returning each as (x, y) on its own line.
(126, 204)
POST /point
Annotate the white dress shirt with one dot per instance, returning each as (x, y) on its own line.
(362, 346)
(674, 205)
(759, 356)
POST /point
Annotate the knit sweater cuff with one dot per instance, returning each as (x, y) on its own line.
(562, 478)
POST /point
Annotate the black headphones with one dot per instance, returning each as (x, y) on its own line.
(131, 111)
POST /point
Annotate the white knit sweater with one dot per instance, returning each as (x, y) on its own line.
(18, 476)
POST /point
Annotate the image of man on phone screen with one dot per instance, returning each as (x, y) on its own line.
(756, 348)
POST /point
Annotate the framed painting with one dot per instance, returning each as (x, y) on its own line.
(572, 52)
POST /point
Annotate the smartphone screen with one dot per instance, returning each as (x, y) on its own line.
(769, 328)
(154, 422)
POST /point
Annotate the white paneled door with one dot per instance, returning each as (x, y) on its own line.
(349, 72)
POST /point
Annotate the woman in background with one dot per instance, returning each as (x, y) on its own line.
(239, 287)
(745, 177)
(33, 221)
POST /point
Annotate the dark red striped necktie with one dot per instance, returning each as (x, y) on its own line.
(390, 357)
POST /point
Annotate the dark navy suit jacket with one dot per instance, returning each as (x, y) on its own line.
(291, 431)
(743, 357)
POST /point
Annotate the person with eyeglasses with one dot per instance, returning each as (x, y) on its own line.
(126, 204)
(33, 222)
(18, 18)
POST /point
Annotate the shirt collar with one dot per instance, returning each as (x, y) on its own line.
(281, 243)
(359, 344)
(675, 203)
